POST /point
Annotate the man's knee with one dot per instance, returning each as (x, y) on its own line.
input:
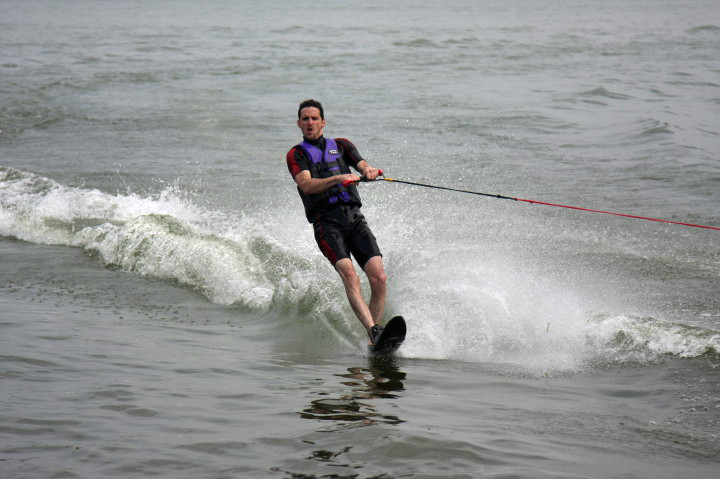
(347, 272)
(376, 273)
(378, 281)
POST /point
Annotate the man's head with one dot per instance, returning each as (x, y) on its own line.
(311, 103)
(311, 119)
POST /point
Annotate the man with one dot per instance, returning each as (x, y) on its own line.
(321, 168)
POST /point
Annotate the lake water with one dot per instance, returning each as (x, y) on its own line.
(165, 312)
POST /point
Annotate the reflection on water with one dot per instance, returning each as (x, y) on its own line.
(365, 392)
(380, 380)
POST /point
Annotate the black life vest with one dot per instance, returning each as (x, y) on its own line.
(324, 164)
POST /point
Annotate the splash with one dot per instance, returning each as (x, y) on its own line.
(474, 307)
(469, 299)
(163, 236)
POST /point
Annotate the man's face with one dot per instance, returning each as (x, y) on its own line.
(310, 123)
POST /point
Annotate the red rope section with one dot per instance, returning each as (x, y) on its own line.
(503, 197)
(617, 214)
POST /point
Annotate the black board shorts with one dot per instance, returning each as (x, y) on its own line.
(343, 231)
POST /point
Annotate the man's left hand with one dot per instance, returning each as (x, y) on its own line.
(371, 173)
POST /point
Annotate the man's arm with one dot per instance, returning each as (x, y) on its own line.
(313, 186)
(352, 156)
(297, 165)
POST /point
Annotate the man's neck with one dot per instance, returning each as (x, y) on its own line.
(316, 142)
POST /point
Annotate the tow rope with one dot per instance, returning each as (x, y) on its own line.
(503, 197)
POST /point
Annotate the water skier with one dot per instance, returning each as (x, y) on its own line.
(319, 166)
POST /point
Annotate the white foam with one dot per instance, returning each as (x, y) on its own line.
(464, 299)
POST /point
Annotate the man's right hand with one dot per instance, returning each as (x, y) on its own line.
(347, 180)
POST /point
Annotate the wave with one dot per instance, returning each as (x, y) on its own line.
(163, 236)
(538, 327)
(420, 42)
(487, 310)
(704, 28)
(604, 93)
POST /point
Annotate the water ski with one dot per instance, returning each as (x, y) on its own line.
(391, 337)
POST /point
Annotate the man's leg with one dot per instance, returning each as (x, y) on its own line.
(378, 287)
(351, 281)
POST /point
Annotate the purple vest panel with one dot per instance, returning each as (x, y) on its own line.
(330, 158)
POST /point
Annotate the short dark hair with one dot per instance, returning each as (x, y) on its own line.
(311, 103)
